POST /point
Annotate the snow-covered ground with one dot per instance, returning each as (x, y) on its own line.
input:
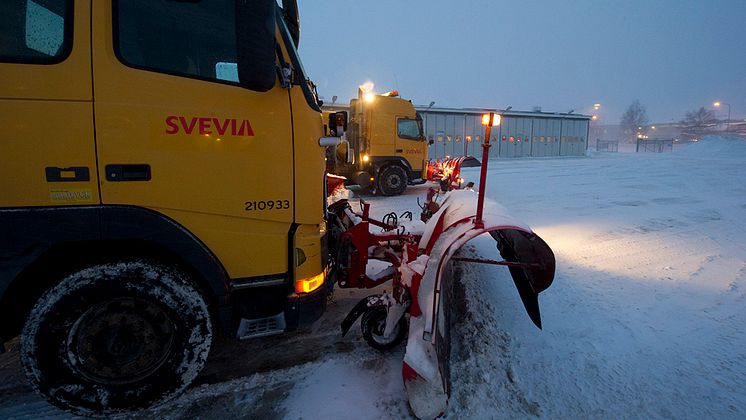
(646, 317)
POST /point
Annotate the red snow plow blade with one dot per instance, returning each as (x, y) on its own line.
(333, 183)
(448, 171)
(415, 256)
(530, 261)
(416, 259)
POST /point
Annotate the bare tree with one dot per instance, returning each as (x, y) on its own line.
(698, 122)
(635, 116)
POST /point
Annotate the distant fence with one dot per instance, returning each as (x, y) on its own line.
(607, 145)
(654, 145)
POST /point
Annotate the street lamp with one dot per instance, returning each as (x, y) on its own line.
(596, 107)
(717, 104)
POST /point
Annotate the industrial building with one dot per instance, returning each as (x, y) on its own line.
(456, 132)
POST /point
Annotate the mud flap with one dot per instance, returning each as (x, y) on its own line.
(359, 309)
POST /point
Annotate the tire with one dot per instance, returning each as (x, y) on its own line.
(116, 337)
(373, 324)
(392, 180)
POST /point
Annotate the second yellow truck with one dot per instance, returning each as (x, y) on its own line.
(383, 146)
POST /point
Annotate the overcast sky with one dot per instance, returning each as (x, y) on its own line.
(674, 55)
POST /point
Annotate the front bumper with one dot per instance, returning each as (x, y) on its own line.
(304, 309)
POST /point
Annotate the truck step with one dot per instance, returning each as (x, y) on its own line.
(261, 327)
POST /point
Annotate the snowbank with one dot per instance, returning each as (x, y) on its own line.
(716, 147)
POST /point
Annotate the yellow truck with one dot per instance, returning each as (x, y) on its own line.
(383, 145)
(162, 178)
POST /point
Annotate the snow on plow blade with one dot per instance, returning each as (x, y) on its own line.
(530, 261)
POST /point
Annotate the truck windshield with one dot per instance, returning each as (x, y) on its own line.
(409, 128)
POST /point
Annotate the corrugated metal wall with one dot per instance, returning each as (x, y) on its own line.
(574, 137)
(456, 134)
(546, 137)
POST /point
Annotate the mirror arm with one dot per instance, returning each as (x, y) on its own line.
(329, 141)
(286, 75)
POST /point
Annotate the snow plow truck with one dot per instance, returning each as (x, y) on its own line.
(382, 144)
(142, 209)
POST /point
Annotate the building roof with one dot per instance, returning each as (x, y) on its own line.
(476, 111)
(505, 113)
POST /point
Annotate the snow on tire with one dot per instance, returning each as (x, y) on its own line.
(116, 337)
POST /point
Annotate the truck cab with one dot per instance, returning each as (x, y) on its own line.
(162, 178)
(385, 147)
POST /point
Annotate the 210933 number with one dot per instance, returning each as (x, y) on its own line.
(262, 205)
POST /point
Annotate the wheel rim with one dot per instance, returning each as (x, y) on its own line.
(120, 341)
(379, 327)
(393, 182)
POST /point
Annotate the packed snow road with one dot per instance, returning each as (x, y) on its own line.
(646, 317)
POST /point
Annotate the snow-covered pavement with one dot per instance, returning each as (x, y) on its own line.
(646, 317)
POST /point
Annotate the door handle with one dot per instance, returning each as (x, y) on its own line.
(399, 150)
(71, 174)
(128, 172)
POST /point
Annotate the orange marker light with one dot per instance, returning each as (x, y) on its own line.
(309, 284)
(495, 120)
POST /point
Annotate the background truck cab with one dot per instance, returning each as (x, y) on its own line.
(385, 147)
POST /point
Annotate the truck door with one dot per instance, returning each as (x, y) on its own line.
(410, 142)
(178, 133)
(46, 108)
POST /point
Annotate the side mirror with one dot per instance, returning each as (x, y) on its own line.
(255, 40)
(340, 119)
(292, 19)
(329, 141)
(431, 141)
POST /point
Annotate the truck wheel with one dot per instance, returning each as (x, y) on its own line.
(373, 324)
(392, 180)
(116, 337)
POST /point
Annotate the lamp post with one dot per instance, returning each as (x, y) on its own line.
(489, 120)
(595, 131)
(718, 104)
